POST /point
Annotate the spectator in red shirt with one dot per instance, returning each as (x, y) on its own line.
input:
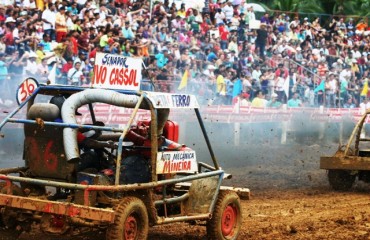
(280, 69)
(93, 52)
(73, 39)
(83, 41)
(9, 40)
(66, 67)
(322, 68)
(224, 36)
(2, 14)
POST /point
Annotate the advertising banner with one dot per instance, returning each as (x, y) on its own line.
(176, 161)
(117, 72)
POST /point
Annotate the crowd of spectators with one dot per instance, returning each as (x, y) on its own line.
(229, 53)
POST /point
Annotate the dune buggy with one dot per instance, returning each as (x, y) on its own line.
(352, 160)
(138, 184)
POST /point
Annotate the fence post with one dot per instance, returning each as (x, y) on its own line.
(284, 127)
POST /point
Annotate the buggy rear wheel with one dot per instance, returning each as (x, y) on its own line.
(341, 180)
(226, 218)
(131, 222)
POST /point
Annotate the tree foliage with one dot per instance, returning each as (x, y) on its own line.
(341, 7)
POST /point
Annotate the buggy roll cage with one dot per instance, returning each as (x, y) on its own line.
(143, 97)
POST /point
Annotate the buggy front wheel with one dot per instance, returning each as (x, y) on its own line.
(226, 219)
(131, 221)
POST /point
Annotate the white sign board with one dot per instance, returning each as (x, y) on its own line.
(214, 33)
(26, 89)
(117, 72)
(255, 24)
(168, 100)
(176, 162)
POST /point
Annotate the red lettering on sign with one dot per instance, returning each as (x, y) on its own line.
(120, 81)
(167, 167)
(112, 77)
(26, 89)
(123, 76)
(134, 77)
(100, 74)
(176, 166)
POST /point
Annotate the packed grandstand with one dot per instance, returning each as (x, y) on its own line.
(225, 53)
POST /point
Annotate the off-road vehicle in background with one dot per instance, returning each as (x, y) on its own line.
(140, 182)
(352, 160)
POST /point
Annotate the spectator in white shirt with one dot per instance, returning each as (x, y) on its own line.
(256, 74)
(345, 74)
(48, 17)
(75, 75)
(229, 11)
(220, 17)
(29, 4)
(31, 65)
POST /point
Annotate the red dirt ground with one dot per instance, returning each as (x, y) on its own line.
(290, 199)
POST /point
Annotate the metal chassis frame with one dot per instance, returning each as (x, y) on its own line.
(92, 213)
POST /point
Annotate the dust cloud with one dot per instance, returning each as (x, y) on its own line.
(11, 136)
(255, 155)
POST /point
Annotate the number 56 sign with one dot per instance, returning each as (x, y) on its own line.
(26, 89)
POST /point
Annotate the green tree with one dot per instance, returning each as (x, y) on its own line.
(354, 7)
(313, 6)
(337, 7)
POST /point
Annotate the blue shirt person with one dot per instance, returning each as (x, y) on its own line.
(294, 101)
(162, 59)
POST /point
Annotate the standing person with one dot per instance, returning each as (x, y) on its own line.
(31, 65)
(75, 75)
(331, 91)
(8, 37)
(344, 88)
(261, 40)
(195, 23)
(344, 77)
(224, 36)
(49, 17)
(220, 85)
(219, 17)
(22, 42)
(256, 74)
(61, 24)
(83, 42)
(279, 86)
(250, 16)
(229, 82)
(228, 10)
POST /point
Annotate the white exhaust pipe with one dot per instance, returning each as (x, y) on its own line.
(85, 97)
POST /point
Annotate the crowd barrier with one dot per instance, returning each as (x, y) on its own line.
(112, 115)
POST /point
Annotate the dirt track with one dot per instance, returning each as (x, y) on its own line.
(291, 199)
(290, 214)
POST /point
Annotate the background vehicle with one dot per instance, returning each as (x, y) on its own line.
(158, 184)
(351, 161)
